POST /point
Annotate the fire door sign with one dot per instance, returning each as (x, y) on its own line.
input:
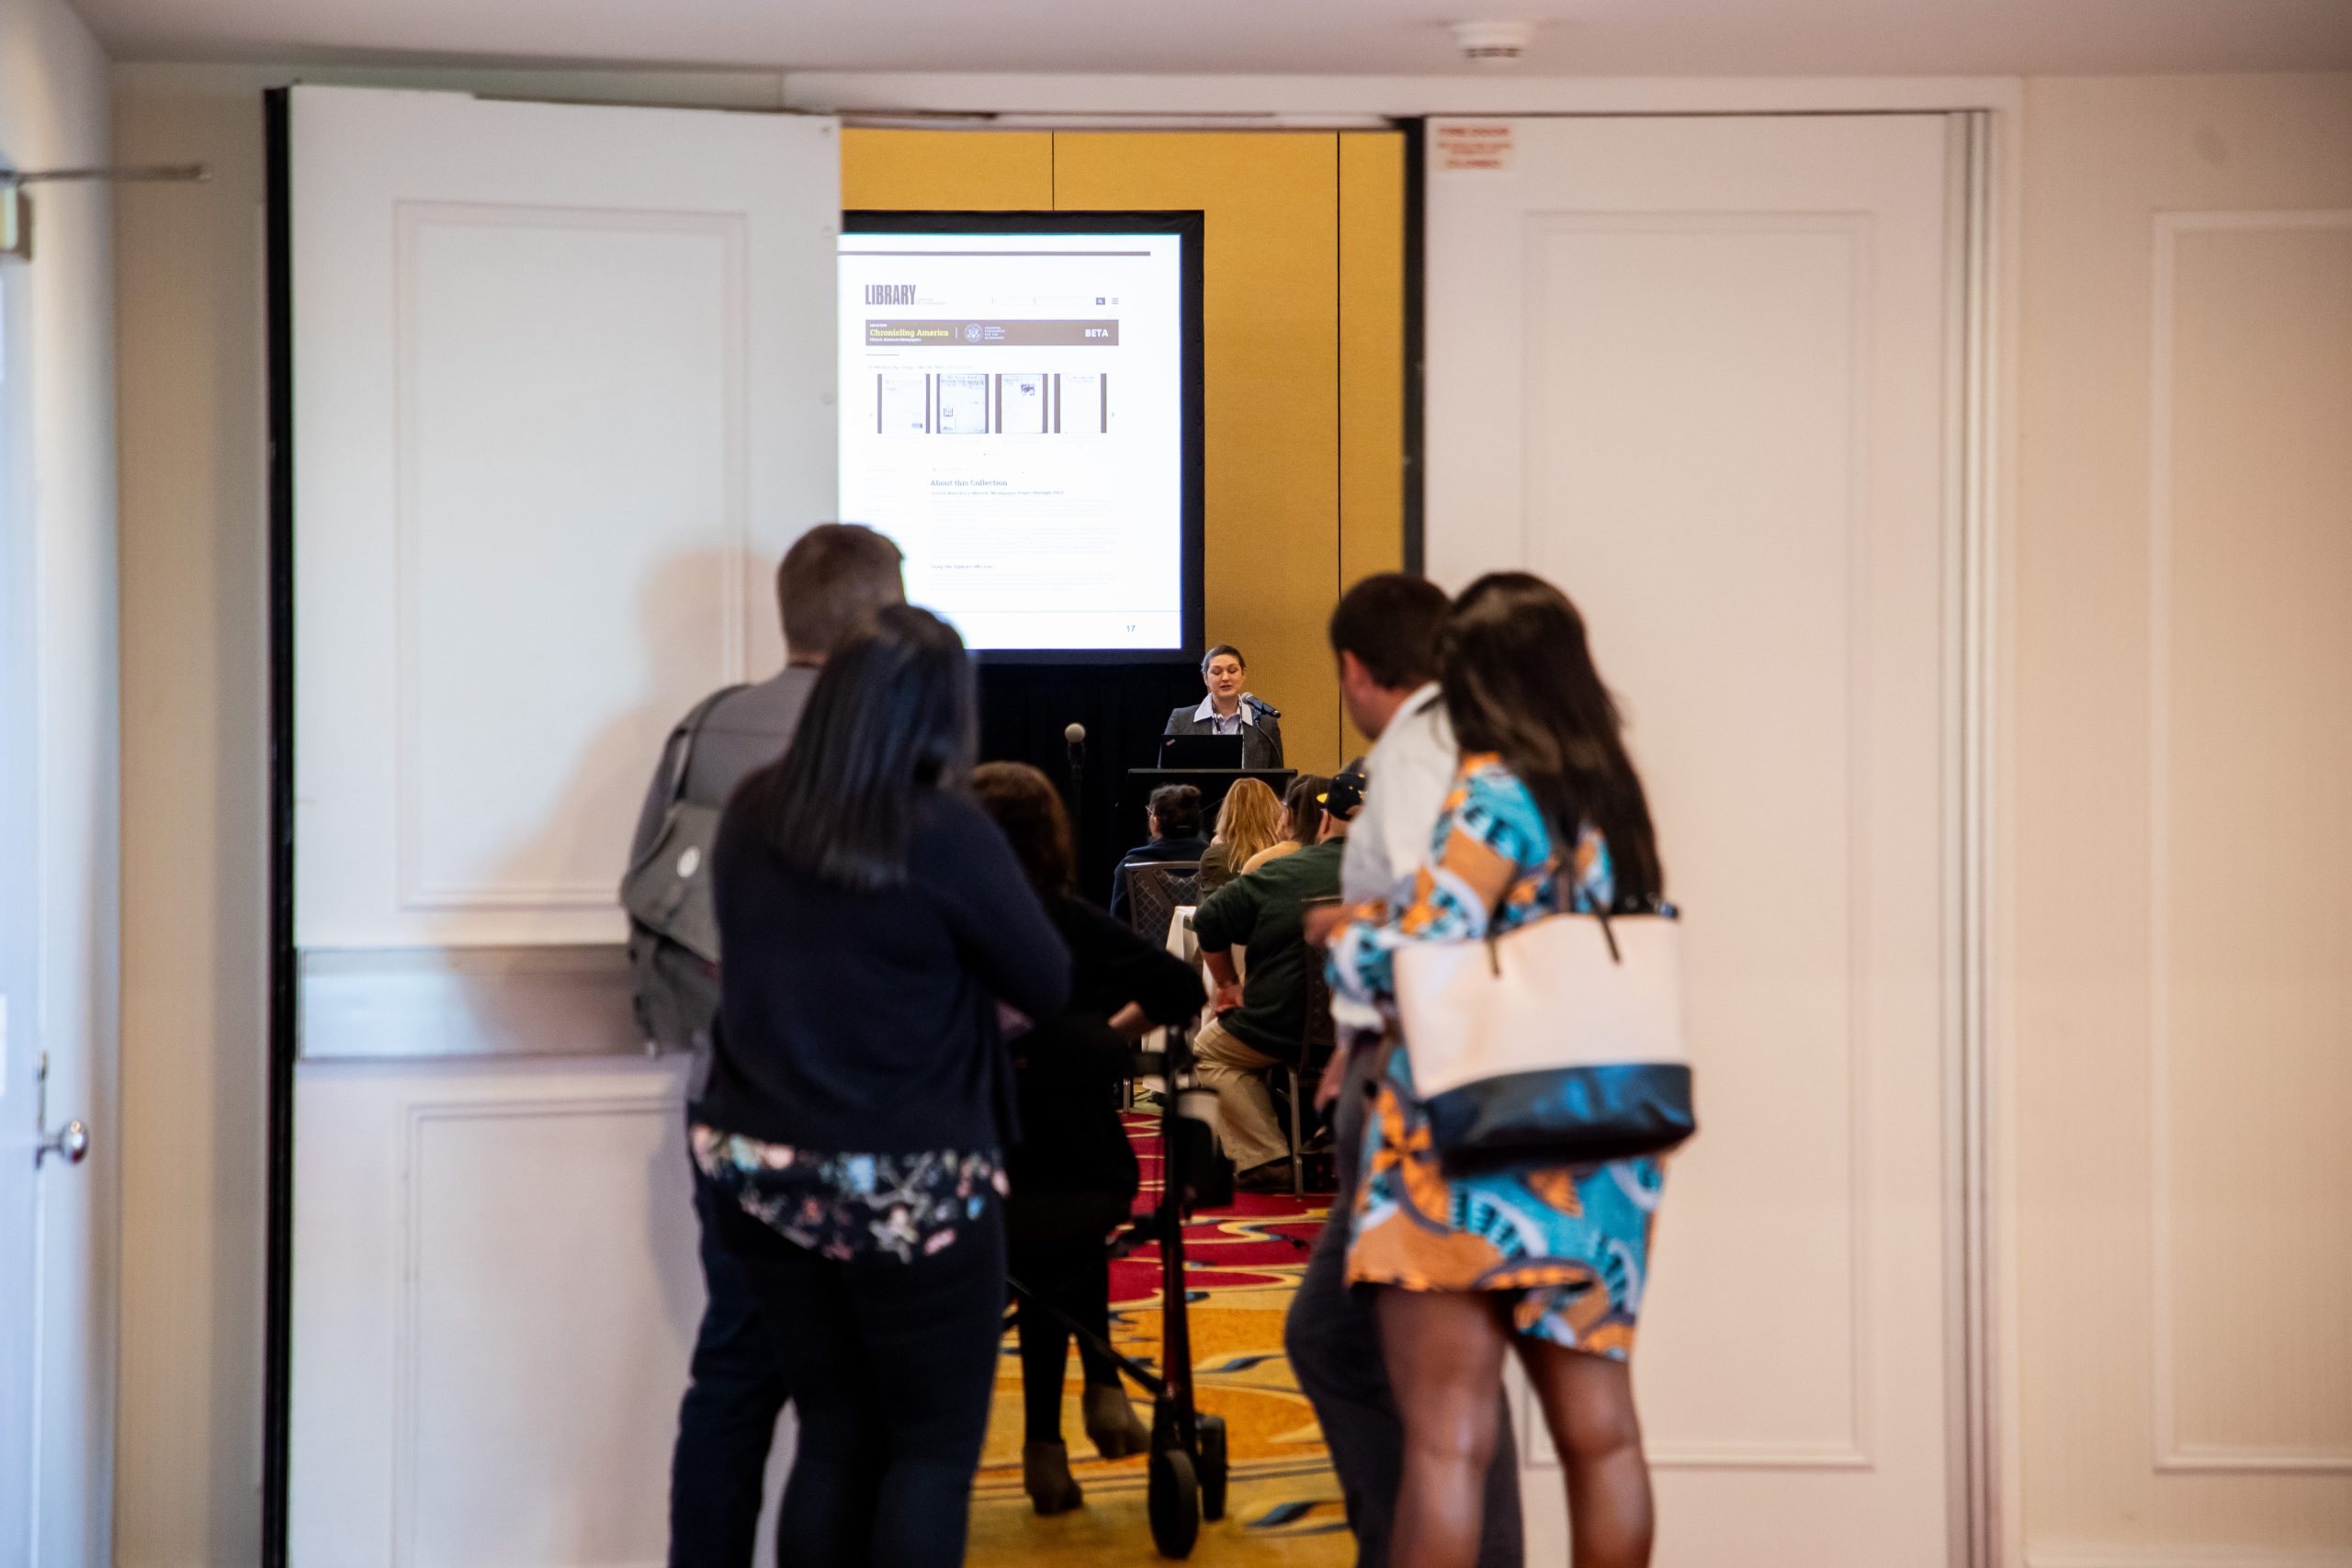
(1474, 146)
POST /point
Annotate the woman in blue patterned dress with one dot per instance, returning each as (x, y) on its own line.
(1548, 1260)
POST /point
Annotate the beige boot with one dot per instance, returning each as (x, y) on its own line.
(1045, 1475)
(1111, 1421)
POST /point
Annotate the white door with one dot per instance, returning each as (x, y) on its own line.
(1692, 370)
(562, 395)
(58, 928)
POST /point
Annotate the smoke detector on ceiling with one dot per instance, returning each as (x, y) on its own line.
(1493, 43)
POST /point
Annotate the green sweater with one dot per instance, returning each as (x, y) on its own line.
(1265, 912)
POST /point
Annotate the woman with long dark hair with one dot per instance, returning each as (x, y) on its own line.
(861, 1098)
(1074, 1174)
(1302, 818)
(1547, 1260)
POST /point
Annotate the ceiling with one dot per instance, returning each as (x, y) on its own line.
(1602, 38)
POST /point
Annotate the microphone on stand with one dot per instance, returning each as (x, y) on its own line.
(1265, 708)
(1074, 736)
(1082, 838)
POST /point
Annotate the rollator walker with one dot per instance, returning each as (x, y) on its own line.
(1188, 1466)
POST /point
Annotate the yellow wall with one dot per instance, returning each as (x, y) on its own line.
(947, 170)
(1303, 278)
(1372, 363)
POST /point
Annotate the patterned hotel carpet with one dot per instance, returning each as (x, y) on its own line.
(1283, 1507)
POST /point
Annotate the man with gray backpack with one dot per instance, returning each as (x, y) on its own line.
(833, 580)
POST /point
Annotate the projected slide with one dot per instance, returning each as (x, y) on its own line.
(1013, 413)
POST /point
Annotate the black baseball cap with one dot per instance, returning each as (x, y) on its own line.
(1345, 798)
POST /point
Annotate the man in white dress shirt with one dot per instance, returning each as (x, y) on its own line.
(1384, 635)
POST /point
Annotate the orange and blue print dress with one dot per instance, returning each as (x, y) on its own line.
(1569, 1244)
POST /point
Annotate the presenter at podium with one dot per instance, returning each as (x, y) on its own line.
(1229, 710)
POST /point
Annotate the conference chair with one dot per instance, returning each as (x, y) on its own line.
(1316, 1042)
(1156, 889)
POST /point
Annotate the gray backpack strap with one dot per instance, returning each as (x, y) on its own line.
(673, 929)
(684, 736)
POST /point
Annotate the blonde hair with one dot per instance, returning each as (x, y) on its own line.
(1249, 820)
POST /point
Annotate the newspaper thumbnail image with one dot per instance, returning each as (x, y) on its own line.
(901, 402)
(1084, 407)
(1021, 404)
(963, 402)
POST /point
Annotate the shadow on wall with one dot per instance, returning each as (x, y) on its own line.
(579, 847)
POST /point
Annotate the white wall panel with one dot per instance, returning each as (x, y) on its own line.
(1709, 368)
(497, 1296)
(2251, 954)
(571, 531)
(2183, 755)
(548, 1325)
(561, 401)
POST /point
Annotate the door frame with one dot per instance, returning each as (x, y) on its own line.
(284, 1042)
(1986, 116)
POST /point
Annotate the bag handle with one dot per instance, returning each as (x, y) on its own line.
(1606, 934)
(1599, 913)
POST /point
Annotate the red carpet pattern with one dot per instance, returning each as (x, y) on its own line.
(1244, 1262)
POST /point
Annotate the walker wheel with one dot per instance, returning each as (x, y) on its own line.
(1174, 1503)
(1212, 1466)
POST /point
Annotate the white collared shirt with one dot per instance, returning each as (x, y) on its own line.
(1410, 770)
(1225, 723)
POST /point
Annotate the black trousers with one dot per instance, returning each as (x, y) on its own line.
(735, 1391)
(1333, 1339)
(890, 1366)
(1074, 1276)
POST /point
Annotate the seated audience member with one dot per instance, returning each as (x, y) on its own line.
(1261, 1022)
(1073, 1173)
(1229, 710)
(1302, 819)
(1249, 820)
(1173, 817)
(859, 1103)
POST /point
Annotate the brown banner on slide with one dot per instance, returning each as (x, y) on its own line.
(991, 335)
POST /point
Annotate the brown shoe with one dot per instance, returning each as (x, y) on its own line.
(1045, 1475)
(1112, 1422)
(1269, 1177)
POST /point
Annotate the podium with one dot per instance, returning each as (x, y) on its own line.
(1211, 782)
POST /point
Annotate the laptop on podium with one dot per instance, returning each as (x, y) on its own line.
(1203, 751)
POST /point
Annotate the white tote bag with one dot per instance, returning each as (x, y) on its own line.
(1561, 1039)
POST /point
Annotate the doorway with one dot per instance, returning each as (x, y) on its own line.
(1701, 372)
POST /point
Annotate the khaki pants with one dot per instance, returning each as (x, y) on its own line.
(1245, 1111)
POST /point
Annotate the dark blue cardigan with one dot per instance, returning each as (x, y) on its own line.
(866, 1022)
